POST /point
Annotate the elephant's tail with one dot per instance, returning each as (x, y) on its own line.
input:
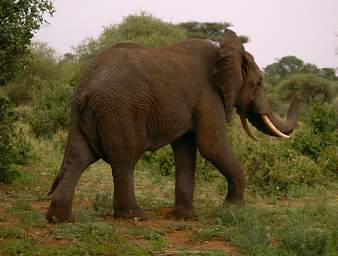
(81, 148)
(55, 182)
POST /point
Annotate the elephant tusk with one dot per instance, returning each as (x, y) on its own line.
(247, 129)
(273, 128)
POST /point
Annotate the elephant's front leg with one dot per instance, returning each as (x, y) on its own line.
(185, 160)
(211, 141)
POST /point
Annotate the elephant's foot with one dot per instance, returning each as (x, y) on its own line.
(182, 212)
(134, 213)
(234, 199)
(61, 213)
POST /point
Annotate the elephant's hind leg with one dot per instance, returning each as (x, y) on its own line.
(185, 162)
(78, 156)
(124, 202)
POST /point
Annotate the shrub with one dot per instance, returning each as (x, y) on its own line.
(14, 148)
(163, 159)
(274, 168)
(319, 138)
(20, 92)
(328, 159)
(43, 65)
(334, 105)
(321, 118)
(50, 108)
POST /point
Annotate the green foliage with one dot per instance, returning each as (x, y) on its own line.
(328, 73)
(319, 138)
(334, 105)
(43, 65)
(142, 28)
(18, 21)
(163, 159)
(321, 118)
(307, 230)
(307, 86)
(275, 168)
(14, 149)
(42, 62)
(290, 65)
(50, 108)
(204, 30)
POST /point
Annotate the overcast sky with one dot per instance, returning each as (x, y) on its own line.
(276, 28)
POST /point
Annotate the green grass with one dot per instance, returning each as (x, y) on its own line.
(302, 222)
(309, 229)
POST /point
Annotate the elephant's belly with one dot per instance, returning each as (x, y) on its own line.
(167, 129)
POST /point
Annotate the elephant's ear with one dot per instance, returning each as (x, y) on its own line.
(228, 72)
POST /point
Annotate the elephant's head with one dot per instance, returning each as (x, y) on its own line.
(241, 83)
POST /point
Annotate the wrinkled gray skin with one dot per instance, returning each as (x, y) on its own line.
(132, 99)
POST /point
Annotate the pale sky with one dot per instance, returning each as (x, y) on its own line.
(276, 28)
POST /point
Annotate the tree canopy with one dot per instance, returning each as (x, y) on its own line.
(308, 86)
(148, 30)
(208, 30)
(289, 65)
(142, 28)
(18, 21)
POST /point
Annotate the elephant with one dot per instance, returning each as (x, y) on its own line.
(132, 99)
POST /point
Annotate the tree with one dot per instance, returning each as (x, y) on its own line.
(329, 73)
(207, 30)
(18, 21)
(290, 65)
(146, 29)
(277, 71)
(308, 86)
(142, 28)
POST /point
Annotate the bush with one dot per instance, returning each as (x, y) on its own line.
(163, 160)
(319, 138)
(50, 108)
(14, 148)
(308, 86)
(334, 105)
(42, 65)
(274, 168)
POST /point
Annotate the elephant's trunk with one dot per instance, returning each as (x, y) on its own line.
(274, 125)
(286, 127)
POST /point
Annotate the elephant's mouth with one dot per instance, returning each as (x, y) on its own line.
(263, 124)
(271, 124)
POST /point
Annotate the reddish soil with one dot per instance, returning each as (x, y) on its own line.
(181, 237)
